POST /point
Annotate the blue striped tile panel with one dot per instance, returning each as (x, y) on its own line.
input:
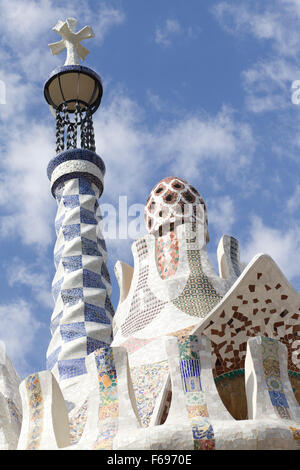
(89, 247)
(71, 331)
(52, 358)
(71, 368)
(55, 323)
(93, 344)
(91, 279)
(87, 217)
(71, 231)
(72, 263)
(190, 371)
(95, 314)
(72, 296)
(71, 201)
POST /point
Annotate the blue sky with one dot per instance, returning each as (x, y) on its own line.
(200, 90)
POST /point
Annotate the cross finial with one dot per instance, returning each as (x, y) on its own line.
(71, 41)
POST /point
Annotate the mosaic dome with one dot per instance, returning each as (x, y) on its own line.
(172, 202)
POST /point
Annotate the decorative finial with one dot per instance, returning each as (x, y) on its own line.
(71, 41)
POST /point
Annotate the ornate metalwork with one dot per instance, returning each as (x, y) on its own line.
(70, 130)
(59, 132)
(87, 132)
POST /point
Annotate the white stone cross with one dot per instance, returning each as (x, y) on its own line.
(71, 41)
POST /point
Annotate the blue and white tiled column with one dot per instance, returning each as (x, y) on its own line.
(81, 320)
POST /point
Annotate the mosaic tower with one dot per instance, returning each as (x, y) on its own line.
(200, 360)
(81, 320)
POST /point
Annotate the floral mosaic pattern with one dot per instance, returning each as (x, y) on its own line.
(108, 394)
(77, 423)
(190, 366)
(148, 381)
(36, 406)
(270, 359)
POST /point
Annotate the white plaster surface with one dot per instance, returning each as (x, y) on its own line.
(10, 403)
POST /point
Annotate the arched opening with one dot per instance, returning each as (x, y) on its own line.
(232, 390)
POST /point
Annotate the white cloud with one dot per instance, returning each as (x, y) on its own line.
(20, 96)
(156, 101)
(103, 18)
(25, 35)
(267, 82)
(124, 144)
(293, 203)
(25, 197)
(292, 7)
(131, 151)
(267, 21)
(166, 33)
(42, 15)
(33, 276)
(25, 190)
(283, 245)
(18, 330)
(194, 32)
(190, 142)
(221, 214)
(30, 26)
(129, 147)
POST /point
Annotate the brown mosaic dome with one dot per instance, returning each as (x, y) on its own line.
(173, 202)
